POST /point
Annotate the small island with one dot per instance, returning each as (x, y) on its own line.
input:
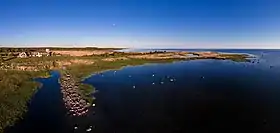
(19, 66)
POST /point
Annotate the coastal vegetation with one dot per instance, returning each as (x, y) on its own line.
(16, 89)
(16, 74)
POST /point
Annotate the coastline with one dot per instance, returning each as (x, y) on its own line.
(24, 90)
(86, 66)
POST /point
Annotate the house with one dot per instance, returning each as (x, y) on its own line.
(22, 55)
(38, 54)
(49, 53)
(29, 54)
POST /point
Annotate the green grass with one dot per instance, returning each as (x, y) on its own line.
(87, 91)
(16, 89)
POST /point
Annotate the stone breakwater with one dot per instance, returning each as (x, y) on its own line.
(72, 98)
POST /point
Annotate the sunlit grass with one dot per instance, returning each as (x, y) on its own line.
(16, 89)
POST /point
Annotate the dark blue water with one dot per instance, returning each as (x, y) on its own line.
(198, 96)
(45, 111)
(205, 96)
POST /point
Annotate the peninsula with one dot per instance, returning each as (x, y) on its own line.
(19, 66)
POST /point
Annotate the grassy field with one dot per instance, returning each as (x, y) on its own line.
(16, 89)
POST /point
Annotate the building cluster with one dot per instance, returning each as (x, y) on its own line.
(35, 54)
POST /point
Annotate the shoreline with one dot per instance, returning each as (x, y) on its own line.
(87, 66)
(27, 87)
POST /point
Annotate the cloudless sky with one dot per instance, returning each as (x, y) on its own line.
(141, 23)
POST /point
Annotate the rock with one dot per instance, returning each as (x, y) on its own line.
(72, 98)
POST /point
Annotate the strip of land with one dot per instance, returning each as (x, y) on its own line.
(19, 66)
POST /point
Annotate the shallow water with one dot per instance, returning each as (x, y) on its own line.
(45, 111)
(192, 96)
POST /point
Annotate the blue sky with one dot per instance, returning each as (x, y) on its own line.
(141, 23)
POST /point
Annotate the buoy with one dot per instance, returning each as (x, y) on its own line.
(161, 82)
(202, 77)
(153, 83)
(75, 127)
(134, 86)
(171, 80)
(153, 75)
(129, 76)
(93, 105)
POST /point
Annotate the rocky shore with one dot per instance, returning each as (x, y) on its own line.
(72, 98)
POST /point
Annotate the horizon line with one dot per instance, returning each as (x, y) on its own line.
(130, 47)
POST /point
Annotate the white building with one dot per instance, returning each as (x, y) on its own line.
(38, 54)
(22, 55)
